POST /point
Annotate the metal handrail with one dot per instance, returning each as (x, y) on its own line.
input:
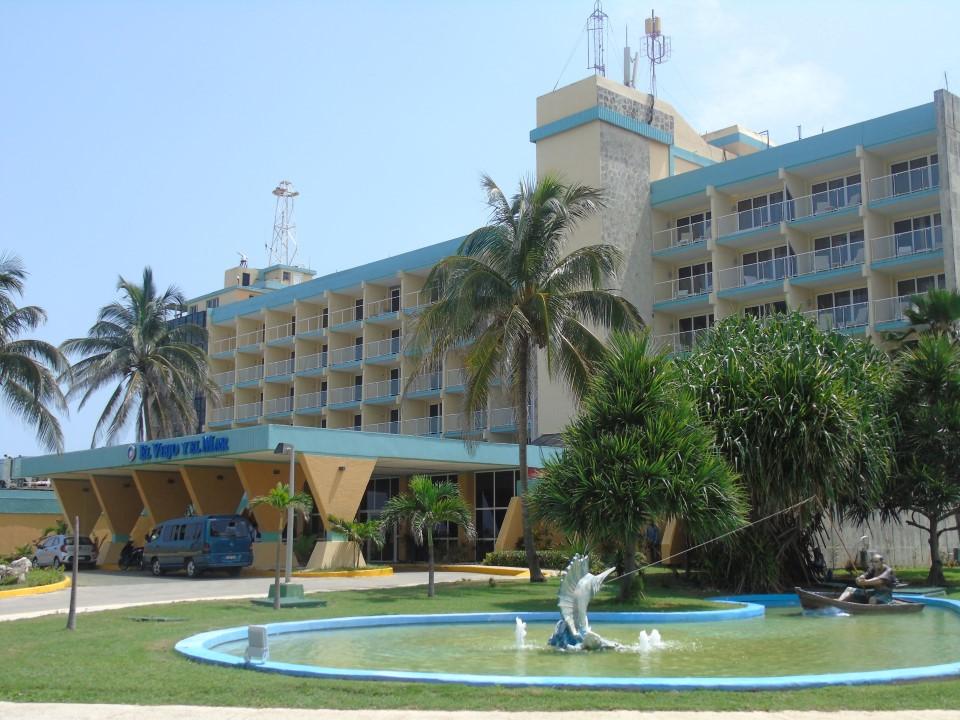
(908, 243)
(281, 367)
(825, 259)
(841, 316)
(682, 235)
(905, 182)
(827, 201)
(678, 288)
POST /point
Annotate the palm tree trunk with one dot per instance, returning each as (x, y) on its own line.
(429, 562)
(533, 563)
(276, 571)
(629, 583)
(935, 576)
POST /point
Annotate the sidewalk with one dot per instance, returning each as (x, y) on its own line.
(44, 711)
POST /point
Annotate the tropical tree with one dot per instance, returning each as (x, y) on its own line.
(358, 533)
(156, 363)
(423, 506)
(637, 452)
(927, 401)
(937, 311)
(280, 499)
(511, 292)
(804, 418)
(28, 368)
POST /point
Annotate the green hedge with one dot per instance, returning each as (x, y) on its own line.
(549, 559)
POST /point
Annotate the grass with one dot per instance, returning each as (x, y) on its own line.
(112, 658)
(35, 578)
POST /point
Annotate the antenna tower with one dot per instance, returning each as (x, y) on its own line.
(283, 247)
(657, 49)
(596, 28)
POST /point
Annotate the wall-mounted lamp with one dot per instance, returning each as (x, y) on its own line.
(126, 484)
(219, 477)
(276, 472)
(342, 467)
(170, 481)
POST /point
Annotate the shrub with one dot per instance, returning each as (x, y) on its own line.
(549, 559)
(303, 547)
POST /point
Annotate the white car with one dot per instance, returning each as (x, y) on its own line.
(57, 551)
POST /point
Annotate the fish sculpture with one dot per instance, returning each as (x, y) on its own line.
(577, 588)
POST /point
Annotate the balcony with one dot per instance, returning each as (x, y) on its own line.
(682, 242)
(315, 326)
(679, 342)
(224, 379)
(822, 209)
(310, 403)
(282, 334)
(456, 380)
(382, 352)
(414, 302)
(684, 292)
(346, 357)
(278, 406)
(279, 371)
(345, 396)
(914, 250)
(423, 426)
(382, 391)
(461, 424)
(249, 376)
(220, 415)
(750, 227)
(383, 311)
(390, 427)
(842, 318)
(250, 342)
(224, 347)
(905, 191)
(425, 385)
(504, 420)
(346, 318)
(313, 364)
(249, 412)
(890, 313)
(755, 279)
(827, 265)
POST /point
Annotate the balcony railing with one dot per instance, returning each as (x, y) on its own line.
(908, 243)
(308, 401)
(312, 324)
(754, 219)
(383, 389)
(248, 374)
(387, 306)
(680, 236)
(906, 182)
(254, 337)
(821, 203)
(679, 342)
(282, 367)
(390, 427)
(351, 353)
(311, 362)
(346, 315)
(892, 309)
(465, 423)
(249, 411)
(830, 258)
(418, 300)
(422, 426)
(383, 348)
(351, 393)
(224, 378)
(281, 331)
(224, 345)
(426, 382)
(841, 317)
(683, 287)
(220, 414)
(278, 405)
(746, 275)
(456, 377)
(507, 417)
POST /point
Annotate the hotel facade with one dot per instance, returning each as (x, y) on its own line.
(844, 226)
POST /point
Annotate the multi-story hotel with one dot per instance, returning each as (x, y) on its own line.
(844, 226)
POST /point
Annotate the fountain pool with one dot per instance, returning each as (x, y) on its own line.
(765, 642)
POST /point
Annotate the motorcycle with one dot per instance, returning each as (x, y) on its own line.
(131, 557)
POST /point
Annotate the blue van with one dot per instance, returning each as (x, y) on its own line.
(199, 543)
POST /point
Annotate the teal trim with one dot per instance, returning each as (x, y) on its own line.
(603, 114)
(678, 302)
(119, 538)
(432, 392)
(333, 535)
(741, 234)
(676, 249)
(345, 405)
(226, 354)
(839, 212)
(671, 165)
(689, 157)
(750, 289)
(851, 330)
(909, 259)
(816, 277)
(269, 537)
(843, 141)
(738, 137)
(891, 325)
(345, 365)
(895, 199)
(219, 423)
(244, 502)
(348, 325)
(29, 502)
(291, 268)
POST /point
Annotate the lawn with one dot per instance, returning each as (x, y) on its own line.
(116, 657)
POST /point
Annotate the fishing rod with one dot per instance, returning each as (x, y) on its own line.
(719, 537)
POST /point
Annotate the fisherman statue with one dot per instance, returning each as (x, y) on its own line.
(577, 587)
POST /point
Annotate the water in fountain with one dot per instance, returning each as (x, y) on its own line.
(520, 633)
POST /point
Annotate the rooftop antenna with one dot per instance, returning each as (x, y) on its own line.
(596, 27)
(629, 62)
(283, 248)
(657, 49)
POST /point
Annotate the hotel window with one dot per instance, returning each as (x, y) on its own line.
(358, 348)
(379, 490)
(919, 234)
(760, 211)
(213, 303)
(695, 279)
(357, 422)
(836, 193)
(286, 276)
(764, 265)
(245, 279)
(358, 309)
(843, 308)
(693, 228)
(358, 388)
(917, 174)
(766, 309)
(691, 328)
(834, 251)
(494, 490)
(326, 317)
(919, 285)
(395, 299)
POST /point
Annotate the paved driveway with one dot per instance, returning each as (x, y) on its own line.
(104, 590)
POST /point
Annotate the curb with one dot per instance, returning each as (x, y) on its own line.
(486, 570)
(36, 590)
(362, 572)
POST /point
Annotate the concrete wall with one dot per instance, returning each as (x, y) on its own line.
(18, 529)
(948, 153)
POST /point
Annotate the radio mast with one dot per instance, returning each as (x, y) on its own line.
(283, 247)
(657, 49)
(596, 27)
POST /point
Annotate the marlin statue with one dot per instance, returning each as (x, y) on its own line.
(577, 588)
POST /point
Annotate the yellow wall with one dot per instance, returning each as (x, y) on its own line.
(122, 508)
(18, 529)
(77, 498)
(213, 490)
(164, 493)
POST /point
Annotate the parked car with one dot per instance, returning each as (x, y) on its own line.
(200, 543)
(57, 551)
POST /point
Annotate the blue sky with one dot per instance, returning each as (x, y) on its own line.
(148, 133)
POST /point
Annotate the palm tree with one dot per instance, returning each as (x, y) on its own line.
(280, 499)
(938, 311)
(637, 452)
(28, 368)
(425, 505)
(156, 364)
(358, 533)
(510, 292)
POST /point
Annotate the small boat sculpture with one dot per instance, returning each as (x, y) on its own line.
(817, 601)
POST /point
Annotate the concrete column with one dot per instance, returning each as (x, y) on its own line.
(213, 490)
(259, 478)
(77, 498)
(163, 492)
(948, 154)
(122, 508)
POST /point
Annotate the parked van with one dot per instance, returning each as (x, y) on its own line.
(199, 543)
